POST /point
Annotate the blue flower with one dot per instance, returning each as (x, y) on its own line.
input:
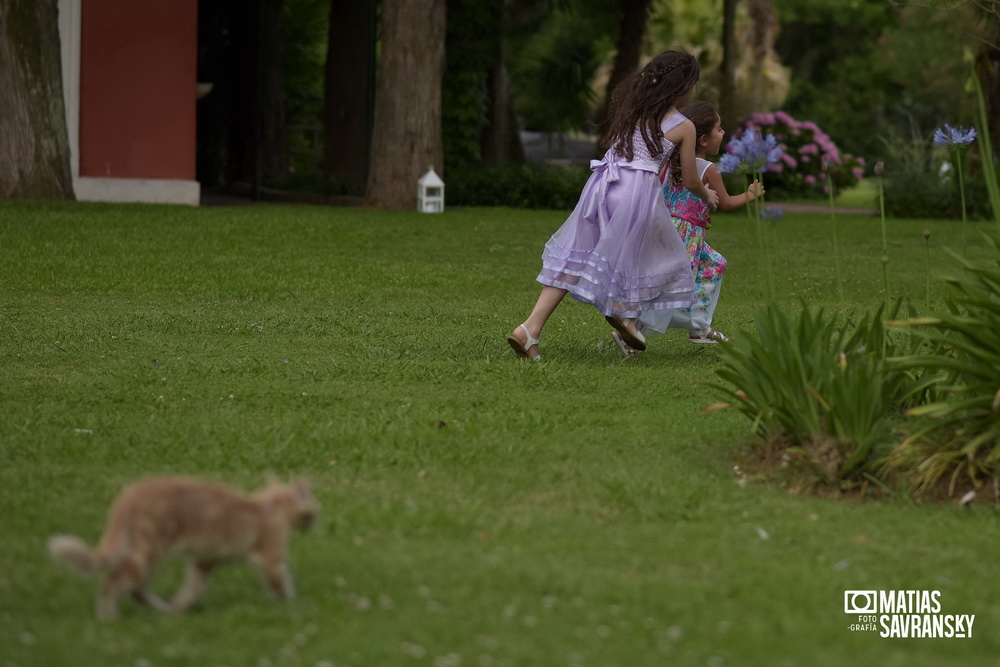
(750, 153)
(772, 213)
(729, 163)
(953, 137)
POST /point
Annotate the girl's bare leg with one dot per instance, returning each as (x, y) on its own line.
(549, 298)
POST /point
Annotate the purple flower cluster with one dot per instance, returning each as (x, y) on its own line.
(808, 159)
(772, 213)
(750, 153)
(953, 137)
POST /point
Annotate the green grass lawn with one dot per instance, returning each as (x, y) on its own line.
(864, 195)
(476, 509)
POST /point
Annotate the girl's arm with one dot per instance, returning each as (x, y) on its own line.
(728, 202)
(684, 137)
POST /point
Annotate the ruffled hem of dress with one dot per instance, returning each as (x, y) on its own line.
(588, 278)
(611, 305)
(571, 262)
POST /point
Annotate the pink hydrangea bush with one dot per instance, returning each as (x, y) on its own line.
(810, 159)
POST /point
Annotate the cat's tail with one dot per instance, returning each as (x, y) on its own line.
(74, 552)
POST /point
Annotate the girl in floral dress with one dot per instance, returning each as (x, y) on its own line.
(691, 219)
(617, 250)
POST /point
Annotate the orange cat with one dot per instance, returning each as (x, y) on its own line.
(210, 524)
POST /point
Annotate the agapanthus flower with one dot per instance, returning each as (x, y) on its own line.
(957, 138)
(953, 137)
(729, 163)
(750, 153)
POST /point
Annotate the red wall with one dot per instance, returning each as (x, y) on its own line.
(137, 88)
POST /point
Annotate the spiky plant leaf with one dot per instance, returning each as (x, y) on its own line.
(960, 433)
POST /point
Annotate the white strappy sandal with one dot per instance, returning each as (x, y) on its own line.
(626, 349)
(635, 340)
(707, 337)
(521, 350)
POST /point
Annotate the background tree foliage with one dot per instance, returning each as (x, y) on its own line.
(869, 71)
(872, 73)
(555, 61)
(474, 58)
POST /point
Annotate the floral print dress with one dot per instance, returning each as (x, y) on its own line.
(691, 217)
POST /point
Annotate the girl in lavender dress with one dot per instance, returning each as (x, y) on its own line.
(691, 219)
(618, 250)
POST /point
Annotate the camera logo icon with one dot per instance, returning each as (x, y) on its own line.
(860, 602)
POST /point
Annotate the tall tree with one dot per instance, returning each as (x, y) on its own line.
(727, 68)
(988, 69)
(407, 134)
(273, 147)
(632, 18)
(764, 28)
(349, 92)
(34, 142)
(501, 140)
(478, 118)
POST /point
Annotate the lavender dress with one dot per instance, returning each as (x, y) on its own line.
(619, 250)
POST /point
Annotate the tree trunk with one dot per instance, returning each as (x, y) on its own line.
(501, 138)
(34, 142)
(988, 71)
(349, 92)
(727, 68)
(239, 35)
(764, 32)
(407, 135)
(273, 137)
(628, 50)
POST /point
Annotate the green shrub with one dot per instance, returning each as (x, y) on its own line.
(817, 389)
(519, 186)
(915, 186)
(957, 438)
(810, 159)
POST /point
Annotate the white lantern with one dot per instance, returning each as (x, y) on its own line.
(430, 193)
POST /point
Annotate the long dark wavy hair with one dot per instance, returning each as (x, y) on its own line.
(704, 116)
(644, 98)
